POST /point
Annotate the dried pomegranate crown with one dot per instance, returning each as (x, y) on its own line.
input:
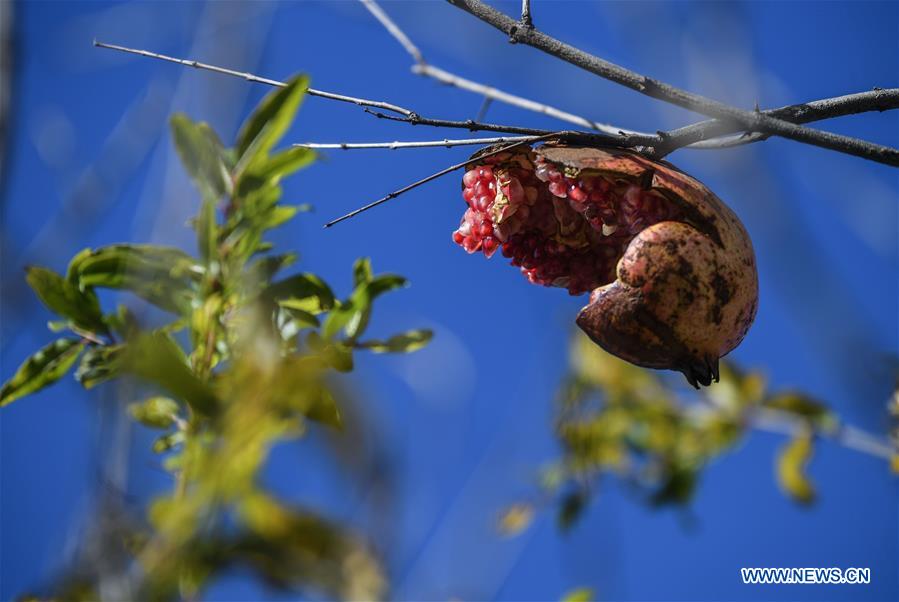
(670, 267)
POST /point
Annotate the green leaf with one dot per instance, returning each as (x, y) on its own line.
(64, 298)
(264, 269)
(123, 322)
(155, 412)
(570, 510)
(41, 369)
(362, 271)
(305, 292)
(791, 465)
(207, 231)
(353, 314)
(164, 276)
(202, 155)
(99, 364)
(270, 121)
(156, 358)
(291, 321)
(405, 342)
(677, 488)
(363, 299)
(277, 216)
(326, 411)
(339, 357)
(284, 163)
(57, 325)
(168, 441)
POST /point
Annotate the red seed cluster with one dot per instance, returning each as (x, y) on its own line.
(561, 230)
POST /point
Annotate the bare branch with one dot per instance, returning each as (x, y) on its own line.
(526, 20)
(485, 106)
(394, 30)
(415, 144)
(422, 67)
(477, 126)
(399, 113)
(749, 121)
(850, 437)
(517, 101)
(702, 134)
(654, 145)
(436, 175)
(362, 102)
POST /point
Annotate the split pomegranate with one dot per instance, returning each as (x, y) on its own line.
(671, 268)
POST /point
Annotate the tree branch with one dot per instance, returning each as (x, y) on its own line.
(394, 30)
(526, 20)
(850, 437)
(415, 144)
(745, 120)
(701, 135)
(438, 174)
(362, 102)
(399, 113)
(422, 67)
(629, 140)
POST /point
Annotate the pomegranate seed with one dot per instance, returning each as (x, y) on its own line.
(558, 189)
(576, 193)
(558, 230)
(485, 173)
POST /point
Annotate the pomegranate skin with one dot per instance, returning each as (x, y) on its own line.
(686, 291)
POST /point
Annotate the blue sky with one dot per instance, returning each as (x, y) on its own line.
(464, 424)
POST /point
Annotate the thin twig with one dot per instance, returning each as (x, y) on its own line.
(436, 175)
(476, 126)
(749, 121)
(422, 67)
(526, 20)
(485, 106)
(400, 113)
(362, 102)
(416, 144)
(394, 30)
(517, 101)
(850, 437)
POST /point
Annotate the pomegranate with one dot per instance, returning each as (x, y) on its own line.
(671, 268)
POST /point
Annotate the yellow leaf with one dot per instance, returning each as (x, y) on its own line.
(515, 519)
(581, 594)
(791, 465)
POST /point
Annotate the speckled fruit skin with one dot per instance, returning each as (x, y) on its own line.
(686, 291)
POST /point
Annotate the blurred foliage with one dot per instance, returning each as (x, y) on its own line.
(617, 420)
(242, 363)
(582, 594)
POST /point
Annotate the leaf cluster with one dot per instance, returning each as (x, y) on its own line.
(244, 360)
(618, 421)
